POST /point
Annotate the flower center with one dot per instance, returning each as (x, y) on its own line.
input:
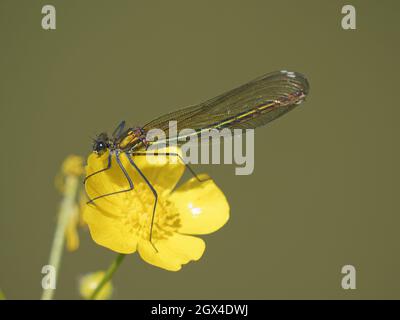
(138, 213)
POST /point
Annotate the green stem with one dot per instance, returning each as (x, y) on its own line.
(66, 210)
(108, 275)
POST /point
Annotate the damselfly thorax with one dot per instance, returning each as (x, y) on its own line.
(251, 105)
(125, 141)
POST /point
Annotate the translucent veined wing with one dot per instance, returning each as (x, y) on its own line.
(249, 106)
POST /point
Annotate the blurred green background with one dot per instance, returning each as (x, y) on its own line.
(324, 192)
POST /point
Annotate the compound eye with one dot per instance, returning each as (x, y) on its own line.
(100, 147)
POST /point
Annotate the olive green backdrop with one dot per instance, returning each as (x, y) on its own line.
(324, 192)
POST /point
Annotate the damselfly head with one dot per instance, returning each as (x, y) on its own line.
(101, 144)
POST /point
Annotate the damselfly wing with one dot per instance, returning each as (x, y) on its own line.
(251, 105)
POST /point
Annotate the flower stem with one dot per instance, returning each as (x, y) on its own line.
(66, 210)
(108, 275)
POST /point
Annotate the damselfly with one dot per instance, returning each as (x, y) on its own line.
(246, 107)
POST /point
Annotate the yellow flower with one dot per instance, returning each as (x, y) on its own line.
(89, 283)
(121, 222)
(72, 167)
(75, 221)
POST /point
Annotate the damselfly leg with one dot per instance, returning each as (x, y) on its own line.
(154, 193)
(128, 178)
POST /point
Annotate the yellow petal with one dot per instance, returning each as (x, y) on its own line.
(109, 231)
(71, 232)
(159, 259)
(81, 205)
(187, 248)
(202, 206)
(173, 252)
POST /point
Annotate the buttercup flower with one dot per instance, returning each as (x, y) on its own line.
(121, 222)
(75, 221)
(89, 283)
(73, 165)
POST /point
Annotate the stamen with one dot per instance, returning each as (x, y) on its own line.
(138, 212)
